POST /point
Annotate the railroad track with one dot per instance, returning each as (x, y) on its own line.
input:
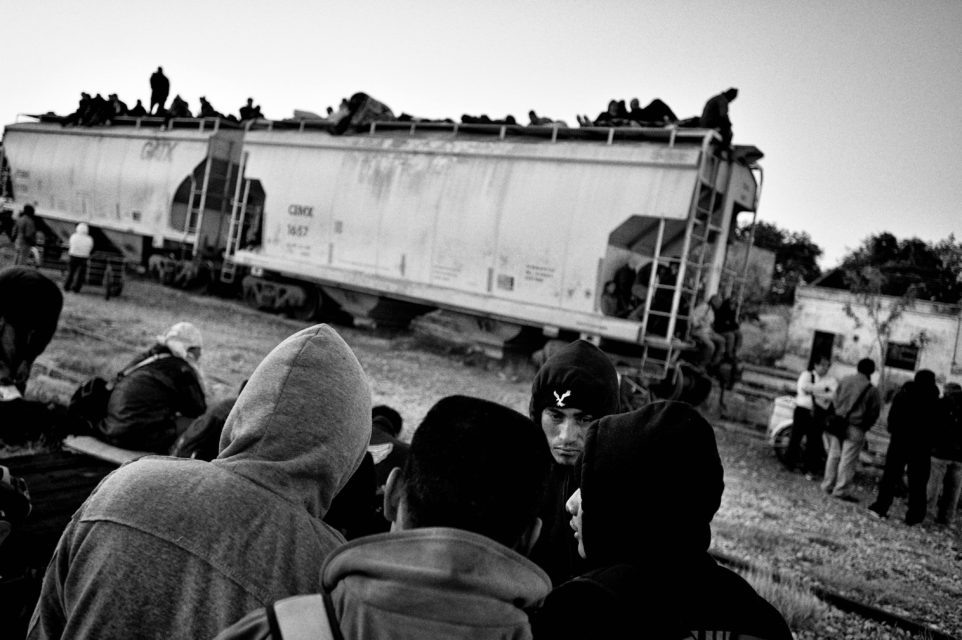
(844, 603)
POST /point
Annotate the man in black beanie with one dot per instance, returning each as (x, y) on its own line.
(647, 547)
(575, 386)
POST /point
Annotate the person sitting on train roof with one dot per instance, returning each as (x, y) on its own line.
(715, 115)
(138, 110)
(158, 394)
(537, 121)
(180, 549)
(117, 107)
(615, 116)
(657, 113)
(575, 385)
(179, 108)
(247, 111)
(651, 575)
(207, 110)
(464, 512)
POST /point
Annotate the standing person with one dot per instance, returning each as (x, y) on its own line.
(464, 513)
(703, 330)
(651, 482)
(715, 115)
(815, 392)
(157, 393)
(575, 386)
(159, 90)
(81, 246)
(858, 401)
(913, 417)
(945, 479)
(25, 236)
(175, 548)
(727, 326)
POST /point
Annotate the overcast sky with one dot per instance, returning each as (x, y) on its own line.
(856, 104)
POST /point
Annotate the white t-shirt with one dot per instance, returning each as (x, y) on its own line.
(810, 385)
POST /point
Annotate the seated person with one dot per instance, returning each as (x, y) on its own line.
(464, 513)
(653, 576)
(656, 113)
(727, 326)
(702, 331)
(155, 396)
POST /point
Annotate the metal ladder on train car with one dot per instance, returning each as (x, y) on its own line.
(235, 229)
(660, 356)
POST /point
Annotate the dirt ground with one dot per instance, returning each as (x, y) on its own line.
(769, 517)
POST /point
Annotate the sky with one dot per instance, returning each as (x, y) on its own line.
(857, 104)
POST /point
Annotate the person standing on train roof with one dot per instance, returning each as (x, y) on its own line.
(576, 385)
(159, 90)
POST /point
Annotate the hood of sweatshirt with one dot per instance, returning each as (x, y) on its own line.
(302, 424)
(432, 583)
(579, 375)
(651, 482)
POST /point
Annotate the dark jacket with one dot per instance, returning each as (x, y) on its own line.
(584, 377)
(173, 548)
(862, 409)
(30, 304)
(556, 550)
(651, 483)
(144, 402)
(914, 414)
(947, 438)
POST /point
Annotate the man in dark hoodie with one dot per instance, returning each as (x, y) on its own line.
(652, 576)
(912, 420)
(181, 548)
(575, 386)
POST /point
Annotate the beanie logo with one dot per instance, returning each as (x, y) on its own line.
(560, 400)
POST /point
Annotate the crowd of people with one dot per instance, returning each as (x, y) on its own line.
(96, 110)
(715, 327)
(297, 505)
(832, 418)
(482, 529)
(360, 109)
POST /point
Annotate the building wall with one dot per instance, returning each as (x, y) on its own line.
(934, 327)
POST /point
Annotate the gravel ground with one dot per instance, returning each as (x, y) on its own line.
(769, 517)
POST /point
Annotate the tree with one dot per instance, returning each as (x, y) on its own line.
(796, 258)
(932, 271)
(867, 285)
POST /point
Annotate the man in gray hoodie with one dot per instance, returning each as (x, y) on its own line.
(182, 548)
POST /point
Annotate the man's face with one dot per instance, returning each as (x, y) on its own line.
(565, 430)
(821, 368)
(574, 507)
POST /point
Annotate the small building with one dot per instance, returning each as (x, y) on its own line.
(928, 335)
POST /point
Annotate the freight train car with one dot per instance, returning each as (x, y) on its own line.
(520, 226)
(148, 185)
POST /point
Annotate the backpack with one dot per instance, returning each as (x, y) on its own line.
(88, 403)
(201, 440)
